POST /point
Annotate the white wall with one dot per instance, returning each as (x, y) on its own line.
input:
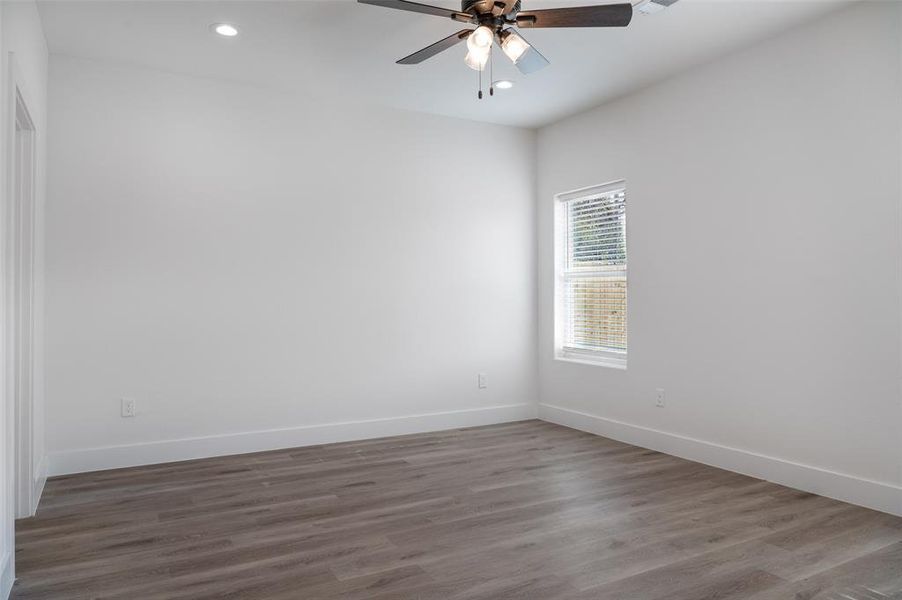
(764, 241)
(22, 35)
(240, 261)
(260, 270)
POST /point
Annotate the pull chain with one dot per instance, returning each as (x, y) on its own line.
(480, 84)
(492, 70)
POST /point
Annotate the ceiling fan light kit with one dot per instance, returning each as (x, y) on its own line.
(477, 60)
(496, 22)
(481, 39)
(479, 46)
(513, 45)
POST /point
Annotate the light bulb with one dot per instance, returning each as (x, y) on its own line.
(477, 60)
(481, 39)
(225, 30)
(514, 46)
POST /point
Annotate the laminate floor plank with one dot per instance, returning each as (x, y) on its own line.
(524, 510)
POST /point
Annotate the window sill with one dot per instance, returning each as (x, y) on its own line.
(595, 361)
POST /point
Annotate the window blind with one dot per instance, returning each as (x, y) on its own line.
(593, 276)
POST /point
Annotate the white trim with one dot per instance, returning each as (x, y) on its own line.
(593, 190)
(40, 480)
(7, 577)
(19, 313)
(592, 361)
(614, 360)
(113, 457)
(882, 496)
(899, 228)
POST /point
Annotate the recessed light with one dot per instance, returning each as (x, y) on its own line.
(504, 84)
(224, 29)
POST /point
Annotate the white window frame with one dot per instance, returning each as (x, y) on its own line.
(612, 359)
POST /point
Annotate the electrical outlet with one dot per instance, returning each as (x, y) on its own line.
(129, 407)
(659, 398)
(482, 380)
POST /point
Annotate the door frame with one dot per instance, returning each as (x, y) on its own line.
(19, 295)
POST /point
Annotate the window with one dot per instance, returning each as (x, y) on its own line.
(590, 275)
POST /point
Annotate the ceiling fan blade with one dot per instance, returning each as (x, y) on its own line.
(440, 46)
(531, 61)
(421, 8)
(605, 15)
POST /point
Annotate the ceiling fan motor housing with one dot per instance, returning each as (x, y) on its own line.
(478, 7)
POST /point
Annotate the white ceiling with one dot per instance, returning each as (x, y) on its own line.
(339, 47)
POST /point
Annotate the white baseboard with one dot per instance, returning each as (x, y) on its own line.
(40, 480)
(37, 488)
(7, 577)
(132, 455)
(882, 496)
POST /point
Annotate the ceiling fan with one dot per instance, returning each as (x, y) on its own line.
(496, 21)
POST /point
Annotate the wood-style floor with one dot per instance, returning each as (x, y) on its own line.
(524, 510)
